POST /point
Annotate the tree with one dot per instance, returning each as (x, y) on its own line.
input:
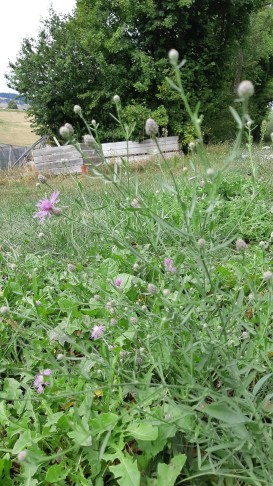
(12, 105)
(51, 73)
(120, 47)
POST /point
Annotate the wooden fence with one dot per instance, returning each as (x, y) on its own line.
(65, 159)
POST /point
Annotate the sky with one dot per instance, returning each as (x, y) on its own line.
(19, 19)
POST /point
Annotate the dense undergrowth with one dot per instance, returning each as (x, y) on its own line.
(179, 375)
(136, 327)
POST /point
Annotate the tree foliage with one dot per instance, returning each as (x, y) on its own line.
(120, 47)
(12, 105)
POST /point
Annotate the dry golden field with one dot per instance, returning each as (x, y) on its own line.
(15, 128)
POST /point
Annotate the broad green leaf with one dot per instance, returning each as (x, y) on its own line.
(56, 473)
(260, 383)
(53, 418)
(151, 449)
(168, 473)
(223, 411)
(4, 420)
(126, 473)
(11, 388)
(103, 422)
(22, 442)
(81, 436)
(108, 268)
(143, 431)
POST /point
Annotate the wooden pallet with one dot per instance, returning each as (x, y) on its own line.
(66, 159)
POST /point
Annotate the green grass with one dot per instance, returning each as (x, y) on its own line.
(178, 389)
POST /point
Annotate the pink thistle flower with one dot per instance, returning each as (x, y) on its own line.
(118, 282)
(47, 372)
(168, 263)
(152, 289)
(39, 382)
(97, 332)
(47, 207)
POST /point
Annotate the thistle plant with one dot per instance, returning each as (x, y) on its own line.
(136, 329)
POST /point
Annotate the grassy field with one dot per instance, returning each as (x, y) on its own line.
(15, 128)
(136, 326)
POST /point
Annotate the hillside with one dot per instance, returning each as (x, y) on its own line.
(15, 128)
(6, 97)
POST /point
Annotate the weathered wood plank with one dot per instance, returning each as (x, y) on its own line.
(60, 170)
(72, 163)
(64, 149)
(57, 158)
(141, 158)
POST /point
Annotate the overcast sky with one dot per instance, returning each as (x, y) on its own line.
(19, 19)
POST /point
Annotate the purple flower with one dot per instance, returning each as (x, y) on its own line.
(97, 332)
(168, 263)
(47, 372)
(118, 282)
(39, 382)
(152, 289)
(47, 207)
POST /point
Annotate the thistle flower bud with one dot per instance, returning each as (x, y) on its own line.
(201, 242)
(135, 203)
(152, 288)
(151, 127)
(88, 139)
(116, 99)
(173, 55)
(77, 109)
(240, 245)
(166, 292)
(41, 178)
(210, 172)
(245, 89)
(71, 267)
(267, 275)
(249, 123)
(66, 131)
(94, 123)
(4, 309)
(191, 146)
(21, 456)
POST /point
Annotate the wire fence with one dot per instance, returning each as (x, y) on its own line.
(9, 154)
(13, 155)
